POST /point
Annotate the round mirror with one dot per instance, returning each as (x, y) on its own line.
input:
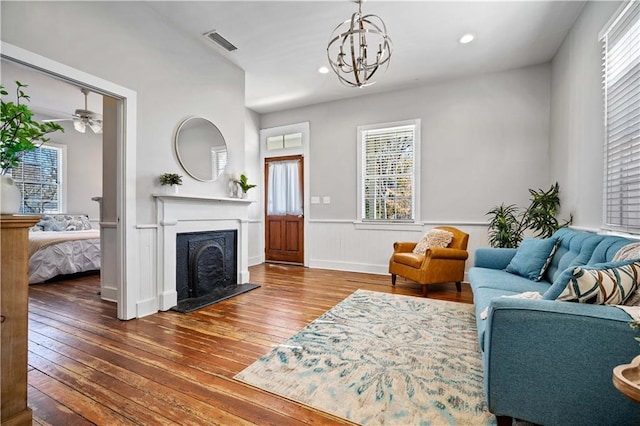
(201, 149)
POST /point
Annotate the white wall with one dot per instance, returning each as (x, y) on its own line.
(484, 142)
(128, 44)
(253, 170)
(84, 170)
(577, 123)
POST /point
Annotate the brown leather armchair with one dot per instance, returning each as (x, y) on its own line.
(437, 265)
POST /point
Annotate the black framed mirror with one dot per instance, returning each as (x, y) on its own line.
(201, 149)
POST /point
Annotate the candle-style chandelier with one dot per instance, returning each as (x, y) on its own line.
(358, 47)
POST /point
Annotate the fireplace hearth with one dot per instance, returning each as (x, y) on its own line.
(206, 269)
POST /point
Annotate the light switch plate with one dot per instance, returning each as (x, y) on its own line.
(326, 200)
(315, 200)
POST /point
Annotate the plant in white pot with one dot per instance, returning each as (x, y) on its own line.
(172, 180)
(19, 133)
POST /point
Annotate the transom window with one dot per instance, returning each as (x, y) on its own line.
(621, 83)
(39, 178)
(388, 171)
(290, 140)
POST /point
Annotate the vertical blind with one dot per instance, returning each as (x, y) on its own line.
(621, 84)
(38, 178)
(388, 173)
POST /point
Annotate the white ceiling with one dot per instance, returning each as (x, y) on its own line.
(282, 44)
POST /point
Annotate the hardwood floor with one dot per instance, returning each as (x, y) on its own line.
(87, 367)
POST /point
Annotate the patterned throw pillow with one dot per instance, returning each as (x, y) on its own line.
(602, 285)
(433, 238)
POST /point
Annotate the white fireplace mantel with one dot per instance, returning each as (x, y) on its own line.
(177, 213)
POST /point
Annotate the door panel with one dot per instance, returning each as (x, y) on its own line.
(284, 239)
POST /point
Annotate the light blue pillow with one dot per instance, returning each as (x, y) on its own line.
(533, 257)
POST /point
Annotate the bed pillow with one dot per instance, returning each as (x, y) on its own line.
(50, 223)
(609, 283)
(533, 258)
(64, 222)
(433, 238)
(78, 223)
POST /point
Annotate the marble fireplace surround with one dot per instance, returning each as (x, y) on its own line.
(178, 213)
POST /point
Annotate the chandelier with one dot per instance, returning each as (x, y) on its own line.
(358, 47)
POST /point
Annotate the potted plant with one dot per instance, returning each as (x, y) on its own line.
(171, 179)
(507, 226)
(19, 133)
(244, 185)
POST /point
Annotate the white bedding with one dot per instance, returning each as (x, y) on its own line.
(65, 257)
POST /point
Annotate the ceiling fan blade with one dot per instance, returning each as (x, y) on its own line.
(55, 120)
(96, 126)
(79, 126)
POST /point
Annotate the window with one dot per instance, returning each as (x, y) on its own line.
(291, 140)
(621, 82)
(388, 171)
(39, 179)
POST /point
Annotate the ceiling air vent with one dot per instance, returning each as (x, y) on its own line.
(221, 41)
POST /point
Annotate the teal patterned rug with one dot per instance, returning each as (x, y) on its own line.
(379, 358)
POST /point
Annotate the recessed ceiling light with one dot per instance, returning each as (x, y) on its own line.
(467, 38)
(323, 70)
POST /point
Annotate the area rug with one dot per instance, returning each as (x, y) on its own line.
(379, 358)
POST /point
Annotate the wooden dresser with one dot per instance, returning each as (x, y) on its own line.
(14, 298)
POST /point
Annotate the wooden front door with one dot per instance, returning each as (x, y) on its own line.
(284, 215)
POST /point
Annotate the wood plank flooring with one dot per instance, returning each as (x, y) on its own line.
(87, 367)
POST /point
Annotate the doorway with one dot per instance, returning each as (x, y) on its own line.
(122, 107)
(284, 209)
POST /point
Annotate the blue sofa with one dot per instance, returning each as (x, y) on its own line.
(550, 362)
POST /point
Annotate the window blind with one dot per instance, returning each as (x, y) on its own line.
(621, 84)
(38, 178)
(388, 157)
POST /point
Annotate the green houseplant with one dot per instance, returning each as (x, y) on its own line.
(507, 226)
(19, 133)
(244, 184)
(170, 181)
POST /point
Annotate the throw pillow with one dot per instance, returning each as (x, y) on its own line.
(602, 284)
(433, 238)
(533, 258)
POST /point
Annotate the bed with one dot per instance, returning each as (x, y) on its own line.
(62, 245)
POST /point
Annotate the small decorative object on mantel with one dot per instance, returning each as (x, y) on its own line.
(19, 134)
(244, 185)
(171, 181)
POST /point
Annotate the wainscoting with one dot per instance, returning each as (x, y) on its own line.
(333, 244)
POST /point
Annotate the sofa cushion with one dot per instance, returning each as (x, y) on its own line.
(532, 258)
(503, 281)
(601, 284)
(433, 238)
(409, 259)
(575, 248)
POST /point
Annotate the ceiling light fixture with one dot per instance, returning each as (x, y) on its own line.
(467, 38)
(358, 47)
(323, 70)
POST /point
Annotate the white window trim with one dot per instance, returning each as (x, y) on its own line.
(391, 224)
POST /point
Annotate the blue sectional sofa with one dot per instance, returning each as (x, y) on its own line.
(546, 361)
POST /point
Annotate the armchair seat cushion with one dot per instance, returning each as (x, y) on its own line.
(409, 259)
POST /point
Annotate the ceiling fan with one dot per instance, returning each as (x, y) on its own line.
(83, 118)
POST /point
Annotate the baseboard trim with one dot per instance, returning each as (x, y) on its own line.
(146, 307)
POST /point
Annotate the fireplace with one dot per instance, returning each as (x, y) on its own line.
(206, 269)
(177, 214)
